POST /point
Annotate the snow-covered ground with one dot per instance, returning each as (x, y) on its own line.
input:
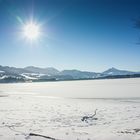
(40, 109)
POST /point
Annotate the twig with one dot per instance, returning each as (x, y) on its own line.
(30, 134)
(85, 118)
(33, 134)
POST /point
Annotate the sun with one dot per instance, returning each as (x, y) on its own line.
(31, 31)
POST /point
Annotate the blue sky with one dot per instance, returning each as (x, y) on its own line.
(88, 35)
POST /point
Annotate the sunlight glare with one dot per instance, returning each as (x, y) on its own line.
(31, 31)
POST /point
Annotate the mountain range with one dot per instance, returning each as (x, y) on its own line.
(35, 74)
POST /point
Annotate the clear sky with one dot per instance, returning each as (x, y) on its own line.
(91, 35)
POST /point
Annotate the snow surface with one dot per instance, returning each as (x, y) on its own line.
(2, 71)
(28, 108)
(28, 76)
(79, 89)
(4, 76)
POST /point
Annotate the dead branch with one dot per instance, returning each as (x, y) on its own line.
(85, 118)
(11, 127)
(33, 134)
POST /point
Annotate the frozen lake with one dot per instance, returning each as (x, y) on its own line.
(120, 88)
(25, 108)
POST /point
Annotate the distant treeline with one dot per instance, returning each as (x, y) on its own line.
(21, 80)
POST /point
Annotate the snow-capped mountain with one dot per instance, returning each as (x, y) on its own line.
(47, 71)
(76, 74)
(12, 70)
(114, 71)
(31, 73)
